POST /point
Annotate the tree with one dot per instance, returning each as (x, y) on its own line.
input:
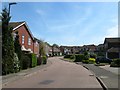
(7, 44)
(86, 55)
(42, 48)
(41, 51)
(17, 46)
(55, 45)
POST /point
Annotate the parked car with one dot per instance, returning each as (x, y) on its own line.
(103, 60)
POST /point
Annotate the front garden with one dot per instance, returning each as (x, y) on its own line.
(91, 59)
(13, 58)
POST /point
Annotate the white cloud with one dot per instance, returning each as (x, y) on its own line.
(41, 12)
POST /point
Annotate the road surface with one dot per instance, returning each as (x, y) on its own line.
(60, 74)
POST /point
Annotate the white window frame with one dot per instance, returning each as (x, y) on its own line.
(29, 41)
(23, 39)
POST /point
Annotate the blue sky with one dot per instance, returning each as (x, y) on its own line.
(69, 23)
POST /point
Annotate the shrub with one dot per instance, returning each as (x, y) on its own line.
(92, 60)
(93, 55)
(67, 56)
(85, 61)
(115, 63)
(16, 63)
(79, 57)
(72, 57)
(25, 61)
(39, 60)
(33, 60)
(44, 60)
(86, 57)
(85, 53)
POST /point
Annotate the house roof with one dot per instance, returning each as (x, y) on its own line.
(112, 40)
(113, 49)
(16, 25)
(35, 39)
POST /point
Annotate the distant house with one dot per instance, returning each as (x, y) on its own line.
(66, 50)
(48, 49)
(56, 50)
(28, 42)
(36, 46)
(100, 50)
(90, 48)
(112, 47)
(70, 49)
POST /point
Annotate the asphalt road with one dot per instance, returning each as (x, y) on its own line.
(60, 74)
(111, 80)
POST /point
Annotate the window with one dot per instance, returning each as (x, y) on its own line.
(29, 41)
(23, 39)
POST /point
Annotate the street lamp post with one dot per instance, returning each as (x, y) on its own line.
(10, 5)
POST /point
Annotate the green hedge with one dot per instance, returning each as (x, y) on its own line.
(85, 61)
(115, 63)
(67, 56)
(72, 57)
(44, 60)
(91, 60)
(79, 57)
(39, 60)
(33, 61)
(93, 56)
(25, 61)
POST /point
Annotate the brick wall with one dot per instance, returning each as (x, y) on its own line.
(23, 31)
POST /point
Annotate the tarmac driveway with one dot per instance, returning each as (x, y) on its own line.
(109, 77)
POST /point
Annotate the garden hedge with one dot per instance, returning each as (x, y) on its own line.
(115, 63)
(33, 60)
(44, 59)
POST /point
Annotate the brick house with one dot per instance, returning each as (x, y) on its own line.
(48, 49)
(56, 50)
(90, 48)
(112, 47)
(66, 50)
(27, 41)
(100, 50)
(70, 49)
(36, 46)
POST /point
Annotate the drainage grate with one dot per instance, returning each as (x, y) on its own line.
(47, 82)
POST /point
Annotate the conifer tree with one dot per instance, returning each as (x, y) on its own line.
(17, 46)
(7, 44)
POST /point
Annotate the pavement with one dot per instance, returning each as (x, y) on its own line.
(114, 70)
(59, 74)
(109, 76)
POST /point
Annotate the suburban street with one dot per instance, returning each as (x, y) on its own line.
(60, 74)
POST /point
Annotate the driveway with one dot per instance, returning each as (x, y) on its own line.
(60, 74)
(110, 78)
